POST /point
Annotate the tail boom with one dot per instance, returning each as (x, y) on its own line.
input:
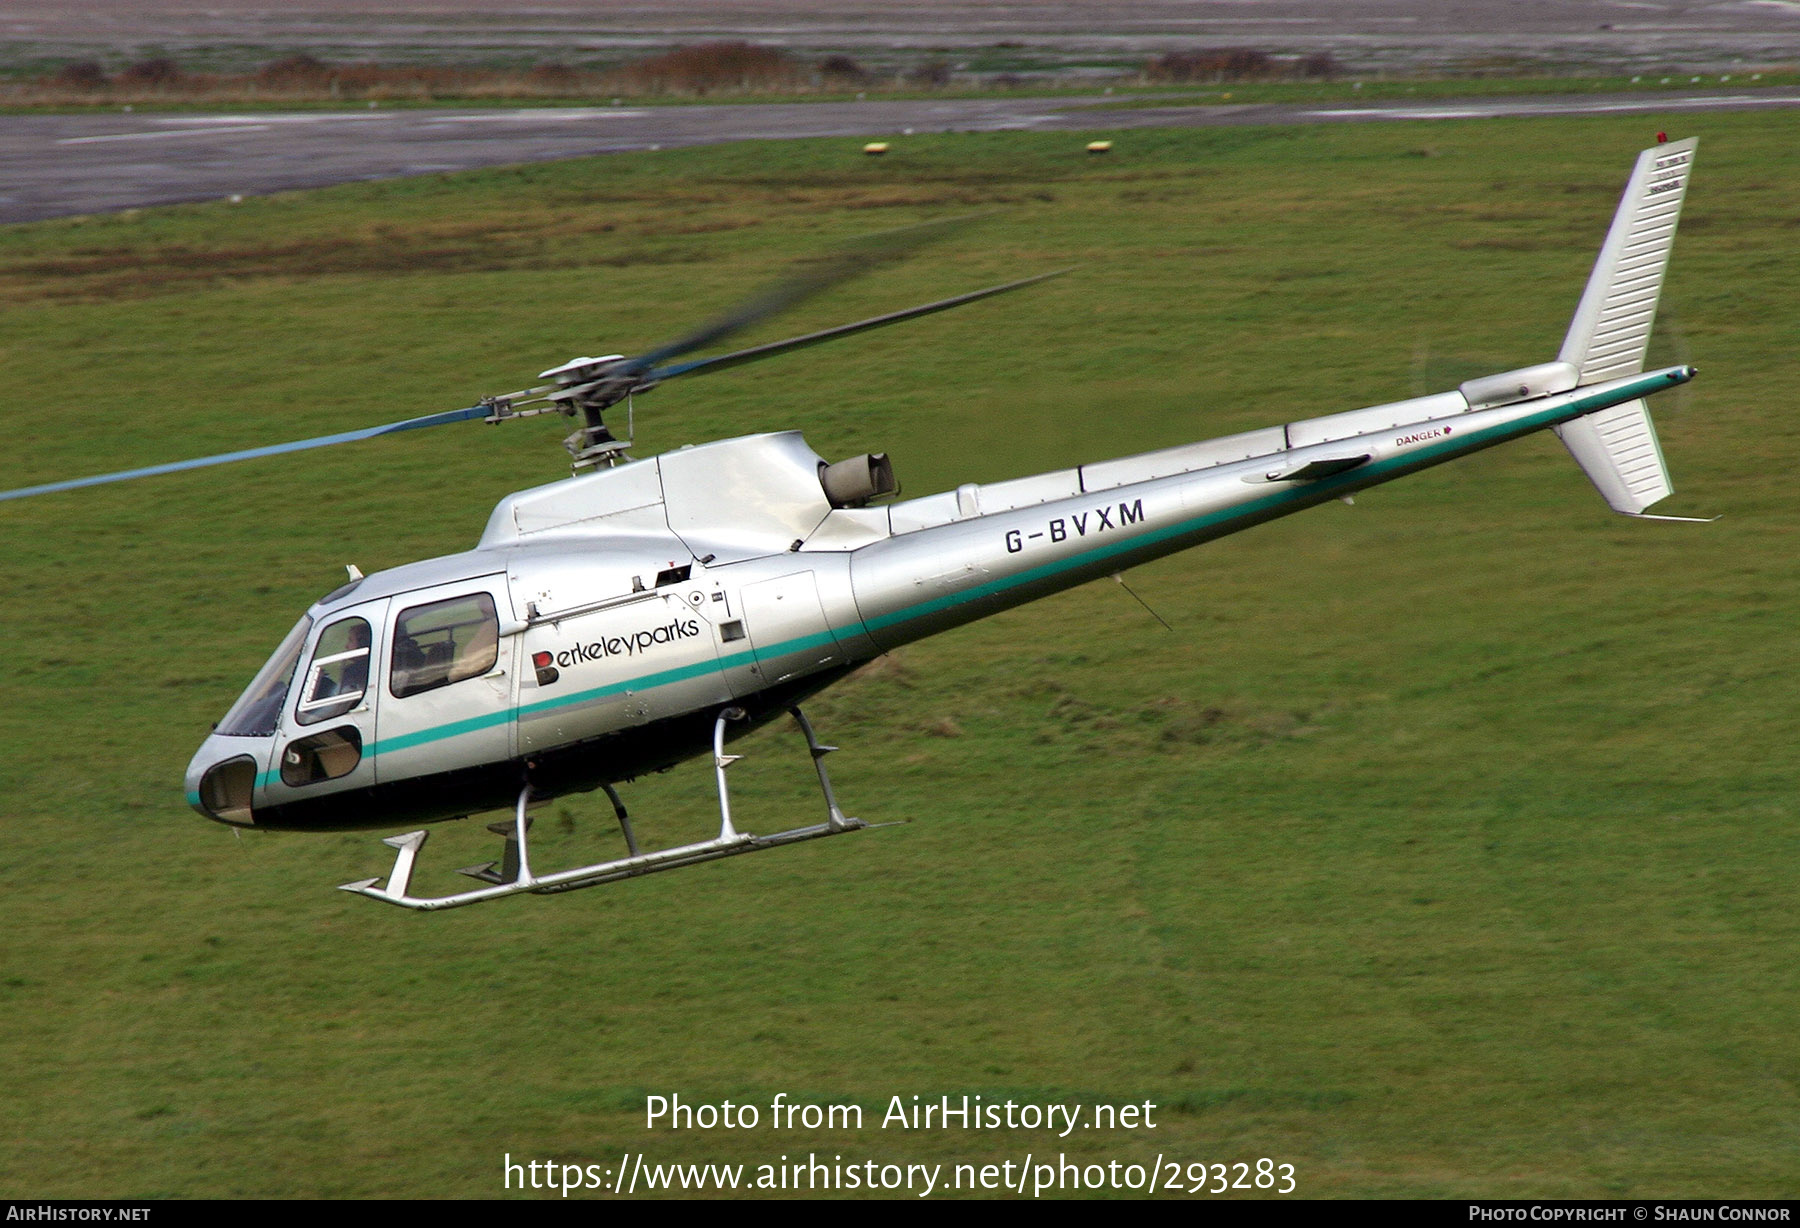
(989, 558)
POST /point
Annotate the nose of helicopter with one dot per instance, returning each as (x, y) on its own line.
(221, 778)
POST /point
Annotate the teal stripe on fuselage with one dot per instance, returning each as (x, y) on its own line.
(1313, 492)
(593, 695)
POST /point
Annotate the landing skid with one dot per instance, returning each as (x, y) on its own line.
(514, 876)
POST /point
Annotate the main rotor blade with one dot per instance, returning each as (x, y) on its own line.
(224, 458)
(851, 261)
(756, 352)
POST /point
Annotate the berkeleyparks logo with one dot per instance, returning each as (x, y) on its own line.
(627, 645)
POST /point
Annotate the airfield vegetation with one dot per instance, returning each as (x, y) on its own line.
(1445, 848)
(413, 87)
(734, 70)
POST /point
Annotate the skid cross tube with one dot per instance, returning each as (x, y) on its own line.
(624, 819)
(835, 818)
(515, 875)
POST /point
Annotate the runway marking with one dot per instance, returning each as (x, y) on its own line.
(1541, 109)
(214, 121)
(526, 115)
(1399, 113)
(151, 136)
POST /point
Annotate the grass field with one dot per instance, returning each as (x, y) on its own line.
(1446, 848)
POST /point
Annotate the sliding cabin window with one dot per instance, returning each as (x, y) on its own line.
(339, 674)
(444, 642)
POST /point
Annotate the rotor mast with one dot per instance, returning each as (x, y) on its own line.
(587, 387)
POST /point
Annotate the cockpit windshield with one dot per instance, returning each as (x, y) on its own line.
(258, 710)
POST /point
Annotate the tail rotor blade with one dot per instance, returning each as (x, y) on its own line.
(225, 458)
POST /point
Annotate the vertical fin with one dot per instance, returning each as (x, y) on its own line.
(1611, 329)
(1610, 333)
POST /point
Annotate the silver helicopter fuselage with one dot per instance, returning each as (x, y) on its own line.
(629, 604)
(619, 622)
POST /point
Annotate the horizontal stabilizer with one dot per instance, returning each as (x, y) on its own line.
(1329, 467)
(1313, 470)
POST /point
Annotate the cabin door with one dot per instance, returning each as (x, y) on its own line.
(327, 732)
(446, 696)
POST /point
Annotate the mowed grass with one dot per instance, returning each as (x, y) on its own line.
(1445, 848)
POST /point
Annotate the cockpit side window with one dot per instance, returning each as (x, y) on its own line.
(339, 673)
(258, 711)
(444, 642)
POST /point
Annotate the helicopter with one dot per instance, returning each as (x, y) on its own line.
(642, 613)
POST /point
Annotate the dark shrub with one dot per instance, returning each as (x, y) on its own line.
(552, 76)
(295, 72)
(935, 73)
(1319, 64)
(153, 72)
(841, 70)
(714, 66)
(81, 75)
(1231, 64)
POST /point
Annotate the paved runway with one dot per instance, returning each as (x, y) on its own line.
(59, 165)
